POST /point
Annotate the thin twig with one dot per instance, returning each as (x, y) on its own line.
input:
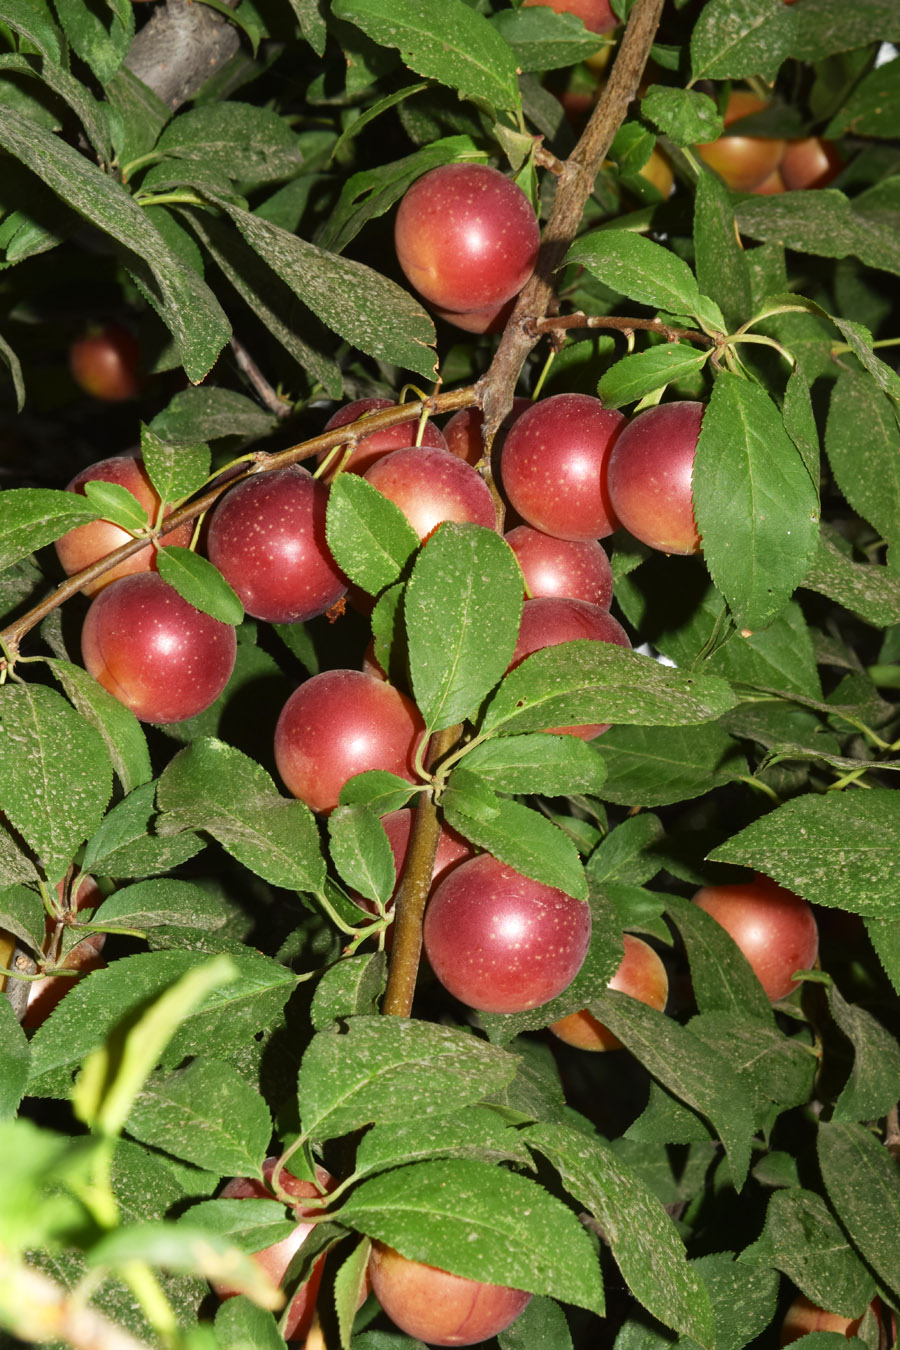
(620, 324)
(267, 395)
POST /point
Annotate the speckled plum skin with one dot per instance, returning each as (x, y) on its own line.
(464, 431)
(466, 237)
(649, 476)
(554, 466)
(276, 1259)
(451, 849)
(378, 443)
(774, 928)
(267, 538)
(546, 622)
(438, 1307)
(431, 486)
(596, 15)
(572, 569)
(157, 654)
(341, 723)
(641, 974)
(499, 941)
(84, 545)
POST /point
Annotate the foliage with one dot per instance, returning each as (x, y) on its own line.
(682, 1188)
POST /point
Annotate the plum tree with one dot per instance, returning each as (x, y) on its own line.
(431, 486)
(547, 621)
(466, 237)
(501, 942)
(267, 538)
(554, 466)
(275, 1260)
(641, 974)
(597, 15)
(105, 364)
(370, 448)
(774, 928)
(562, 568)
(744, 162)
(161, 657)
(809, 163)
(438, 1307)
(649, 476)
(340, 723)
(85, 544)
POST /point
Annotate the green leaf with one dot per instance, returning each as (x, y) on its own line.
(861, 442)
(655, 766)
(186, 1250)
(873, 107)
(237, 1320)
(377, 788)
(236, 138)
(483, 1223)
(370, 538)
(351, 987)
(646, 372)
(773, 1068)
(55, 773)
(829, 26)
(32, 517)
(721, 976)
(114, 502)
(719, 258)
(445, 40)
(200, 583)
(542, 1326)
(126, 844)
(643, 1239)
(735, 38)
(755, 504)
(873, 1086)
(101, 40)
(821, 222)
(123, 734)
(598, 681)
(361, 852)
(22, 914)
(525, 840)
(684, 115)
(803, 1239)
(640, 269)
(687, 1067)
(800, 422)
(870, 590)
(555, 766)
(14, 1059)
(228, 1021)
(542, 39)
(207, 1114)
(389, 1069)
(840, 850)
(175, 470)
(863, 1186)
(372, 312)
(213, 787)
(462, 608)
(477, 1132)
(210, 413)
(163, 900)
(34, 23)
(184, 301)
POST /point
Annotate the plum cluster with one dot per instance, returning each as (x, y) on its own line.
(767, 165)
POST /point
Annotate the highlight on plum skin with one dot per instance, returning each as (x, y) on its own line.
(267, 538)
(500, 941)
(430, 486)
(341, 723)
(86, 544)
(649, 476)
(641, 974)
(466, 237)
(554, 466)
(774, 928)
(437, 1307)
(563, 569)
(156, 653)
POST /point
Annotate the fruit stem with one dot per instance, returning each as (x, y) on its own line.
(412, 893)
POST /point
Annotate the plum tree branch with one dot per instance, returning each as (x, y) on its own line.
(574, 186)
(619, 323)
